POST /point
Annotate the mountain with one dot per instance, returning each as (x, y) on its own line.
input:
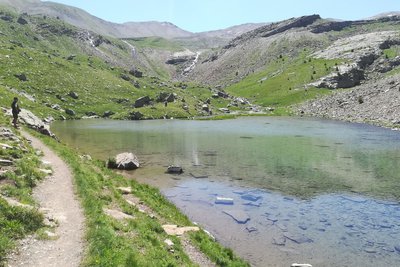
(271, 67)
(84, 20)
(385, 14)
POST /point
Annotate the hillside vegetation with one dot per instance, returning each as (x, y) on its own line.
(61, 71)
(308, 66)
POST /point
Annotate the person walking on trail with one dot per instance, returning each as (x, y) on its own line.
(15, 111)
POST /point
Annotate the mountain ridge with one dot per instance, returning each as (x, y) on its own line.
(131, 29)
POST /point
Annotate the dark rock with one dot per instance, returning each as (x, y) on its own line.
(121, 100)
(346, 79)
(7, 18)
(5, 162)
(61, 98)
(22, 21)
(135, 72)
(223, 94)
(45, 130)
(74, 95)
(108, 113)
(250, 197)
(55, 107)
(170, 98)
(162, 97)
(205, 108)
(180, 60)
(125, 77)
(136, 84)
(124, 161)
(175, 169)
(135, 115)
(22, 77)
(142, 101)
(71, 57)
(70, 112)
(90, 113)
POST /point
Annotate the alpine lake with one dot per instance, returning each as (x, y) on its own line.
(295, 190)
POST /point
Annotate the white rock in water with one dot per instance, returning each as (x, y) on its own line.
(301, 265)
(224, 200)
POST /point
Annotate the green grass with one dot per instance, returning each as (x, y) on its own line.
(17, 183)
(42, 51)
(392, 52)
(139, 241)
(282, 82)
(156, 43)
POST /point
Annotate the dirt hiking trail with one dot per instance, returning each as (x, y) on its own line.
(57, 200)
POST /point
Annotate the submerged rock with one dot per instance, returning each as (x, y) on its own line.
(224, 200)
(175, 169)
(297, 238)
(238, 215)
(279, 240)
(250, 197)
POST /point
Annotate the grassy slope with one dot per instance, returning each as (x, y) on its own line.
(137, 242)
(282, 83)
(16, 222)
(42, 55)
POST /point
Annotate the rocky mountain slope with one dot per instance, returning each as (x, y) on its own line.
(288, 62)
(84, 20)
(272, 65)
(60, 71)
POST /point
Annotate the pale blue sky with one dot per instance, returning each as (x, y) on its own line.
(205, 15)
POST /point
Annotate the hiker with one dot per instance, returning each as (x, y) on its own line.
(15, 111)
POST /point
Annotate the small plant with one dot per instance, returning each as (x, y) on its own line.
(360, 100)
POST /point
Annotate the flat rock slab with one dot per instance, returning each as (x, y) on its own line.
(5, 162)
(250, 197)
(172, 229)
(279, 240)
(238, 215)
(15, 203)
(125, 190)
(298, 239)
(118, 215)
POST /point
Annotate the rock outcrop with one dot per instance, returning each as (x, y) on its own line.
(142, 101)
(376, 103)
(32, 121)
(124, 161)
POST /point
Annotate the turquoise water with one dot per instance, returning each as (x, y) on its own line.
(303, 190)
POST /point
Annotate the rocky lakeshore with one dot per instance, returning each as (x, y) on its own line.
(375, 103)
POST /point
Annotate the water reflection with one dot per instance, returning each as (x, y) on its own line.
(314, 191)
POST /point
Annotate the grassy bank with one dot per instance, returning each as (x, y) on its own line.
(16, 182)
(133, 242)
(138, 241)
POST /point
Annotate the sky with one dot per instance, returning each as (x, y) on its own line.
(206, 15)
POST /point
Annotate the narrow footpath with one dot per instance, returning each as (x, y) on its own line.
(57, 200)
